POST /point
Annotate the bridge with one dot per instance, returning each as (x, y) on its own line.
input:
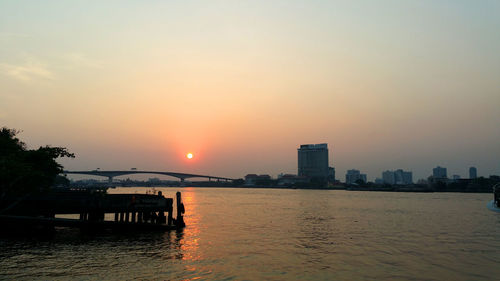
(111, 174)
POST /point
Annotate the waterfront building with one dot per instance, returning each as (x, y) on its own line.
(439, 173)
(354, 175)
(397, 177)
(154, 180)
(331, 174)
(313, 161)
(389, 177)
(472, 172)
(290, 180)
(254, 179)
(423, 182)
(403, 177)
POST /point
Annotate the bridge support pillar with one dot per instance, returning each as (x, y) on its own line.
(110, 179)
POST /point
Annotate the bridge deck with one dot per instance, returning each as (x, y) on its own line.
(111, 174)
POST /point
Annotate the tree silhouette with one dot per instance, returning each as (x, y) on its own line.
(27, 171)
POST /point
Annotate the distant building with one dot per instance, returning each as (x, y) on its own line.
(472, 173)
(397, 177)
(456, 177)
(354, 175)
(253, 179)
(439, 173)
(331, 174)
(422, 182)
(403, 177)
(313, 161)
(379, 181)
(154, 180)
(389, 177)
(289, 180)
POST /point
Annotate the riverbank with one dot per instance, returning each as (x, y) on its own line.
(350, 188)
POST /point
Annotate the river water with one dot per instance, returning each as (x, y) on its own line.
(281, 234)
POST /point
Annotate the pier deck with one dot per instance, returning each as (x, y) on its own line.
(130, 211)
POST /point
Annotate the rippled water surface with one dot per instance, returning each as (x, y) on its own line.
(273, 234)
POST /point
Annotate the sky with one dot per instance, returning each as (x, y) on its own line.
(241, 84)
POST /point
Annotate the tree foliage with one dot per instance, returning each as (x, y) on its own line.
(27, 171)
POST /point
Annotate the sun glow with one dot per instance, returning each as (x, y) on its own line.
(189, 155)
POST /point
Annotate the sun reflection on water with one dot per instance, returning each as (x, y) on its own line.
(191, 232)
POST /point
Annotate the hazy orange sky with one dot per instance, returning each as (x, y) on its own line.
(241, 84)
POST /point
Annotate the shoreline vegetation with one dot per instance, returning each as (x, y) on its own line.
(25, 172)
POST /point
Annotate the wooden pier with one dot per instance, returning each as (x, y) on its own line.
(130, 211)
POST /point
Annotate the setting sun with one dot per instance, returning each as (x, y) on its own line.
(189, 155)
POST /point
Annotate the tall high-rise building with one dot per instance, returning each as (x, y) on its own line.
(313, 161)
(439, 173)
(472, 173)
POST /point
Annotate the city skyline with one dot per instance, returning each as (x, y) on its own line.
(404, 85)
(315, 158)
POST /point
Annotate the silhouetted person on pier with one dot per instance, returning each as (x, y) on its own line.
(179, 221)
